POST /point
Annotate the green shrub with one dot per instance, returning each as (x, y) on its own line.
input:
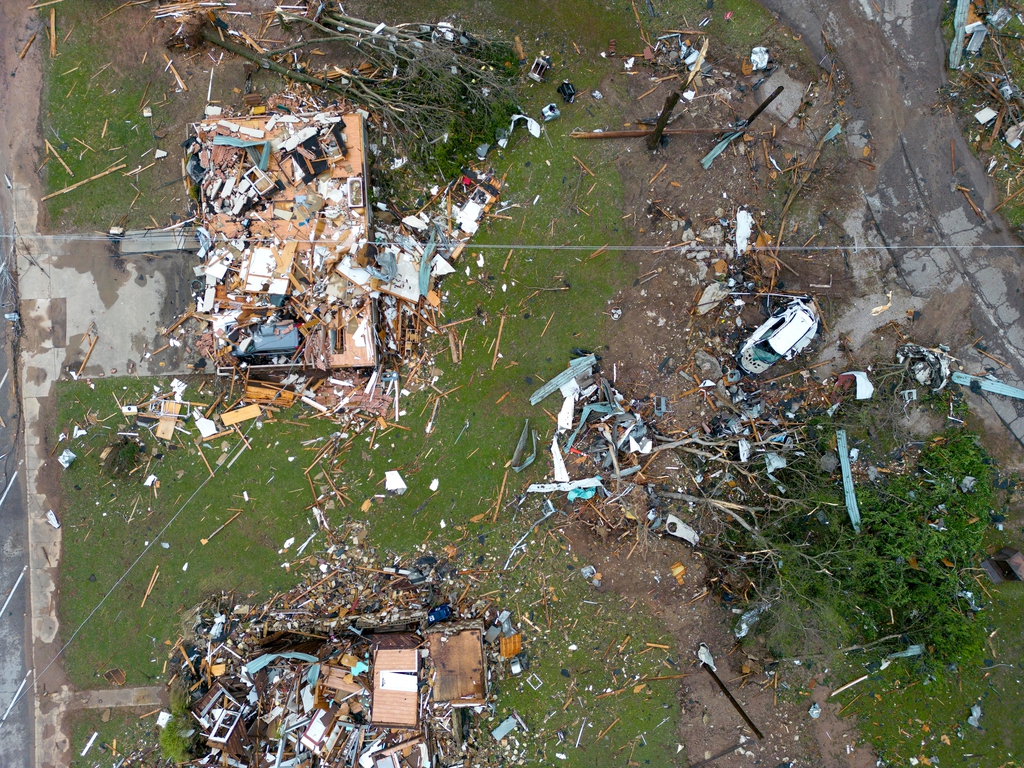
(178, 737)
(904, 574)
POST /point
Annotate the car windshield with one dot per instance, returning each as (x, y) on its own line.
(762, 353)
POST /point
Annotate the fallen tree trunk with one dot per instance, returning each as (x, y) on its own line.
(212, 36)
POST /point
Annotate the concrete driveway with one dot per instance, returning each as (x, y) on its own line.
(72, 290)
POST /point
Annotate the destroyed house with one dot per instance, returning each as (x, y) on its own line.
(282, 210)
(383, 698)
(298, 287)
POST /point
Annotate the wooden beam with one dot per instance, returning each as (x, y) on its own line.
(84, 181)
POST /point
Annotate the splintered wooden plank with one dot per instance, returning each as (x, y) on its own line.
(239, 415)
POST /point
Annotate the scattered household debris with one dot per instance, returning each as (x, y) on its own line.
(550, 112)
(352, 666)
(1005, 565)
(864, 388)
(929, 367)
(676, 527)
(307, 289)
(540, 67)
(983, 90)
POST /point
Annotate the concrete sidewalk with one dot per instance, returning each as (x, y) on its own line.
(150, 696)
(68, 288)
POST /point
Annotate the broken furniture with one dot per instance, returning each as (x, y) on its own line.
(540, 67)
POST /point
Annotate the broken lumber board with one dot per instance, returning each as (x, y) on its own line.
(84, 181)
(240, 414)
(27, 45)
(152, 581)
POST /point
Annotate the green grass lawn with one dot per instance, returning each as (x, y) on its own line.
(113, 524)
(123, 731)
(904, 713)
(105, 73)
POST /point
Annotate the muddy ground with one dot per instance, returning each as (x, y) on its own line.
(709, 723)
(655, 338)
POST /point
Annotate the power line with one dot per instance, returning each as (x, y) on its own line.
(593, 246)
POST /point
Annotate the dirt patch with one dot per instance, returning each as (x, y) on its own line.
(658, 345)
(684, 218)
(946, 319)
(709, 723)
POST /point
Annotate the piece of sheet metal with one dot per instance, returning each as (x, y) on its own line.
(851, 497)
(988, 385)
(576, 367)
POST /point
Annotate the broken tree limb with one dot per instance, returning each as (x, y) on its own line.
(850, 684)
(413, 79)
(265, 62)
(666, 113)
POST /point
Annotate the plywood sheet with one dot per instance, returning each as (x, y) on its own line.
(459, 671)
(389, 707)
(239, 415)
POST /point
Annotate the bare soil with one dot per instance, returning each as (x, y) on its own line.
(658, 333)
(710, 724)
(652, 348)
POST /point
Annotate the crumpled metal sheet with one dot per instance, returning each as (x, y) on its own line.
(929, 367)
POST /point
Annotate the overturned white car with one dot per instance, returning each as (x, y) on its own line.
(782, 335)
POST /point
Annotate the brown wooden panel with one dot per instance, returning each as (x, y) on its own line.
(458, 666)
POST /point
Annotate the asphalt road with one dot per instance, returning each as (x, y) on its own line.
(16, 732)
(893, 53)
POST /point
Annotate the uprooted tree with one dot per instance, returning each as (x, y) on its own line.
(814, 586)
(429, 83)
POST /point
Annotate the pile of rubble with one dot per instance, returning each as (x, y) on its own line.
(299, 288)
(381, 666)
(984, 86)
(605, 450)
